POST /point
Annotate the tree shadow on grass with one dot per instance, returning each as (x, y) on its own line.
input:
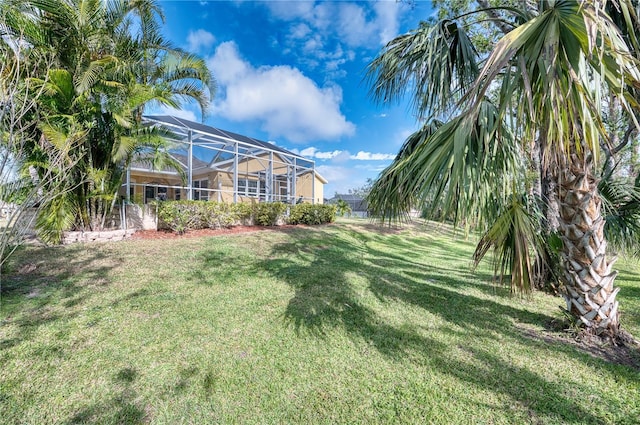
(50, 284)
(120, 409)
(321, 266)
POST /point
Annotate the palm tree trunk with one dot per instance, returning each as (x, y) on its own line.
(588, 275)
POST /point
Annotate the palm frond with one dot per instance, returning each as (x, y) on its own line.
(557, 71)
(436, 62)
(389, 199)
(517, 246)
(55, 217)
(463, 168)
(621, 211)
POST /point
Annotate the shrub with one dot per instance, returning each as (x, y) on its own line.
(312, 214)
(243, 212)
(218, 214)
(268, 213)
(180, 216)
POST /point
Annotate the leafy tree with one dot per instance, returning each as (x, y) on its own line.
(343, 208)
(512, 140)
(363, 190)
(110, 62)
(22, 187)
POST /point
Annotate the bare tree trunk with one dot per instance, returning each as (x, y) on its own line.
(588, 275)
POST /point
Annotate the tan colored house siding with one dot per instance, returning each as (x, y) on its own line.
(219, 184)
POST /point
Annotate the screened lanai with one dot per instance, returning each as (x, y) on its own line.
(219, 165)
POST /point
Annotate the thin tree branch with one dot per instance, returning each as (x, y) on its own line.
(504, 27)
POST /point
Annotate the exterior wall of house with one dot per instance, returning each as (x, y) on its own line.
(319, 192)
(305, 188)
(140, 179)
(219, 184)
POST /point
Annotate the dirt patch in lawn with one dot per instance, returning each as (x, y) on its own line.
(625, 351)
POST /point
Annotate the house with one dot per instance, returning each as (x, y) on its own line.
(220, 165)
(357, 203)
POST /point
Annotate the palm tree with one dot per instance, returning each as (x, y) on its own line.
(343, 208)
(530, 109)
(111, 63)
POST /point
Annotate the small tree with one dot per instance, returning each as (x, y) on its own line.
(24, 184)
(363, 190)
(343, 208)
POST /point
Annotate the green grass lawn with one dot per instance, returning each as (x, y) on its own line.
(343, 323)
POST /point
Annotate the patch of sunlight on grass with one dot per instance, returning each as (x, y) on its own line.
(345, 323)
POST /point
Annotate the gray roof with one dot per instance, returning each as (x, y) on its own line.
(182, 159)
(347, 197)
(178, 125)
(357, 203)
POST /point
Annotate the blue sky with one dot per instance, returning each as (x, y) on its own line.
(291, 72)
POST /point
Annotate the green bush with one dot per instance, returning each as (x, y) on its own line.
(180, 216)
(217, 215)
(343, 208)
(268, 213)
(312, 214)
(243, 212)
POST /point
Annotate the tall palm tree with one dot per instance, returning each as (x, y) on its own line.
(532, 104)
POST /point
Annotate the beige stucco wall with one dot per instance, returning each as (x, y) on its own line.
(319, 194)
(223, 181)
(304, 188)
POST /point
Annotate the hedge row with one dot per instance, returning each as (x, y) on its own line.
(312, 214)
(181, 216)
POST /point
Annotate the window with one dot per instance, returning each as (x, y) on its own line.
(149, 193)
(248, 187)
(251, 188)
(200, 195)
(161, 194)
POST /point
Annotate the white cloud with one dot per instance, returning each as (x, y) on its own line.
(342, 155)
(359, 25)
(368, 156)
(319, 30)
(286, 102)
(313, 45)
(387, 20)
(200, 39)
(300, 31)
(314, 153)
(291, 9)
(328, 155)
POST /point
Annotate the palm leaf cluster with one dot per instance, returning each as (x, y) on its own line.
(110, 62)
(523, 121)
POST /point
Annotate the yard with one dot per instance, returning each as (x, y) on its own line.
(344, 323)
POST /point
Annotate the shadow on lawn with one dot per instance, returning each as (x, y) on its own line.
(318, 266)
(119, 409)
(50, 283)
